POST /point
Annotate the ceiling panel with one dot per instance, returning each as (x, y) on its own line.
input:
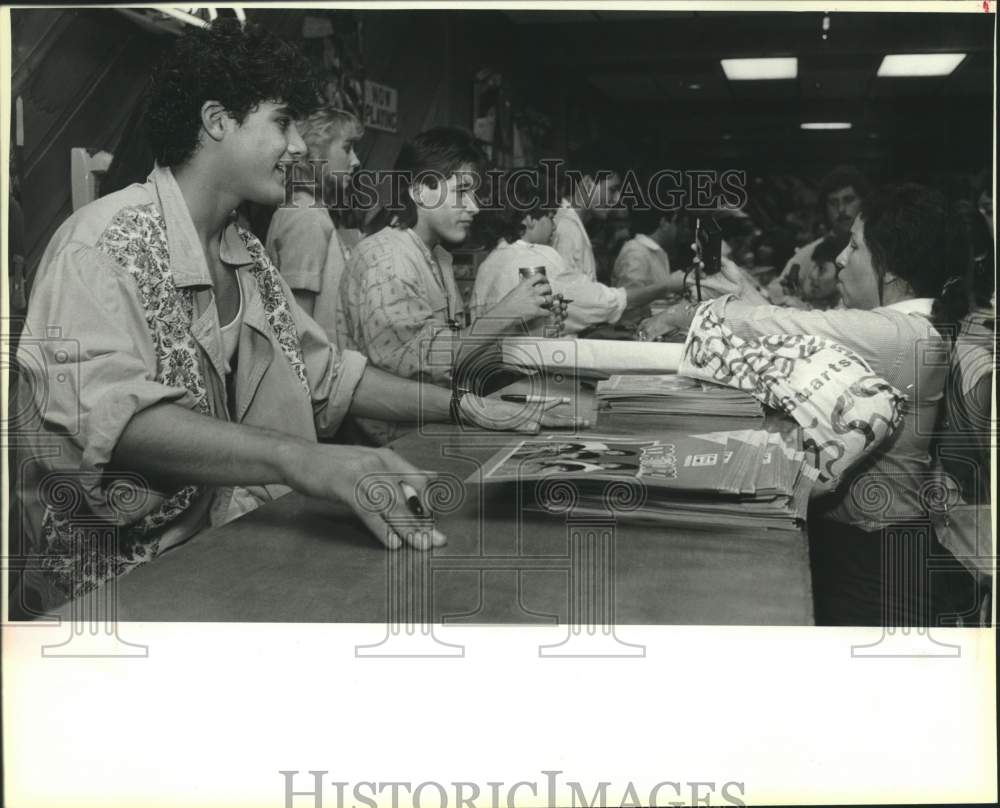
(834, 82)
(551, 17)
(784, 89)
(908, 87)
(628, 86)
(690, 83)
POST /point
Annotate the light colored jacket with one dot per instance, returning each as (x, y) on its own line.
(122, 316)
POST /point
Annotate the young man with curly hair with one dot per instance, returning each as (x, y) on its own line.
(194, 387)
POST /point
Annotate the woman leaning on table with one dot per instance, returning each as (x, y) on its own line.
(902, 278)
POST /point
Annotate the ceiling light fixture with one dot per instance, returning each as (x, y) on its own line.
(919, 64)
(758, 69)
(825, 125)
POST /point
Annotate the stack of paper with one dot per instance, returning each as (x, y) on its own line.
(673, 395)
(589, 358)
(731, 479)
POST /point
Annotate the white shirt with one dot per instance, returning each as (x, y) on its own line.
(231, 331)
(571, 241)
(640, 263)
(498, 274)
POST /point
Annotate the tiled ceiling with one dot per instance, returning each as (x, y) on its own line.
(662, 73)
(659, 56)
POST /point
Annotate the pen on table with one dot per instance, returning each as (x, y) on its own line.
(521, 398)
(412, 500)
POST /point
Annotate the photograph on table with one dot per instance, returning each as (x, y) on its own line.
(718, 479)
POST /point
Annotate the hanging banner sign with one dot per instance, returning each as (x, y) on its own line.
(380, 107)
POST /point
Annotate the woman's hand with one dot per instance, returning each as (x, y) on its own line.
(533, 415)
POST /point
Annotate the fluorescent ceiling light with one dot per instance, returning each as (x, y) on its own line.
(919, 64)
(826, 125)
(753, 69)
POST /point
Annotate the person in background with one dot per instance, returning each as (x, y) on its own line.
(903, 282)
(972, 372)
(520, 236)
(841, 194)
(814, 285)
(302, 239)
(399, 304)
(520, 228)
(594, 192)
(195, 386)
(643, 260)
(984, 198)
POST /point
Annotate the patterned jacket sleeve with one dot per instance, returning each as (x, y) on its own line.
(884, 339)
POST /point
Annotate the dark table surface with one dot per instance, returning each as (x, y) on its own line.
(302, 560)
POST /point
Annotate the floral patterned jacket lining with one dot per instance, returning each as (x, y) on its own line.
(79, 558)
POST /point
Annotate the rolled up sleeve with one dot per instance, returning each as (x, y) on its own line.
(593, 302)
(90, 358)
(876, 336)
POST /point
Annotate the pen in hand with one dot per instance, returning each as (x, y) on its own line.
(412, 500)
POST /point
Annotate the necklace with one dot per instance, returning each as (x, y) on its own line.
(438, 274)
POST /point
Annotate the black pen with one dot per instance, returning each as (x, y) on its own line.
(412, 500)
(521, 398)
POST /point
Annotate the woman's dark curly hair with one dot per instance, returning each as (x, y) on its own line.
(237, 65)
(518, 194)
(914, 233)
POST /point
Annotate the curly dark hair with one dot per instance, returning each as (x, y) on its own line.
(842, 177)
(646, 219)
(914, 233)
(516, 195)
(237, 65)
(829, 248)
